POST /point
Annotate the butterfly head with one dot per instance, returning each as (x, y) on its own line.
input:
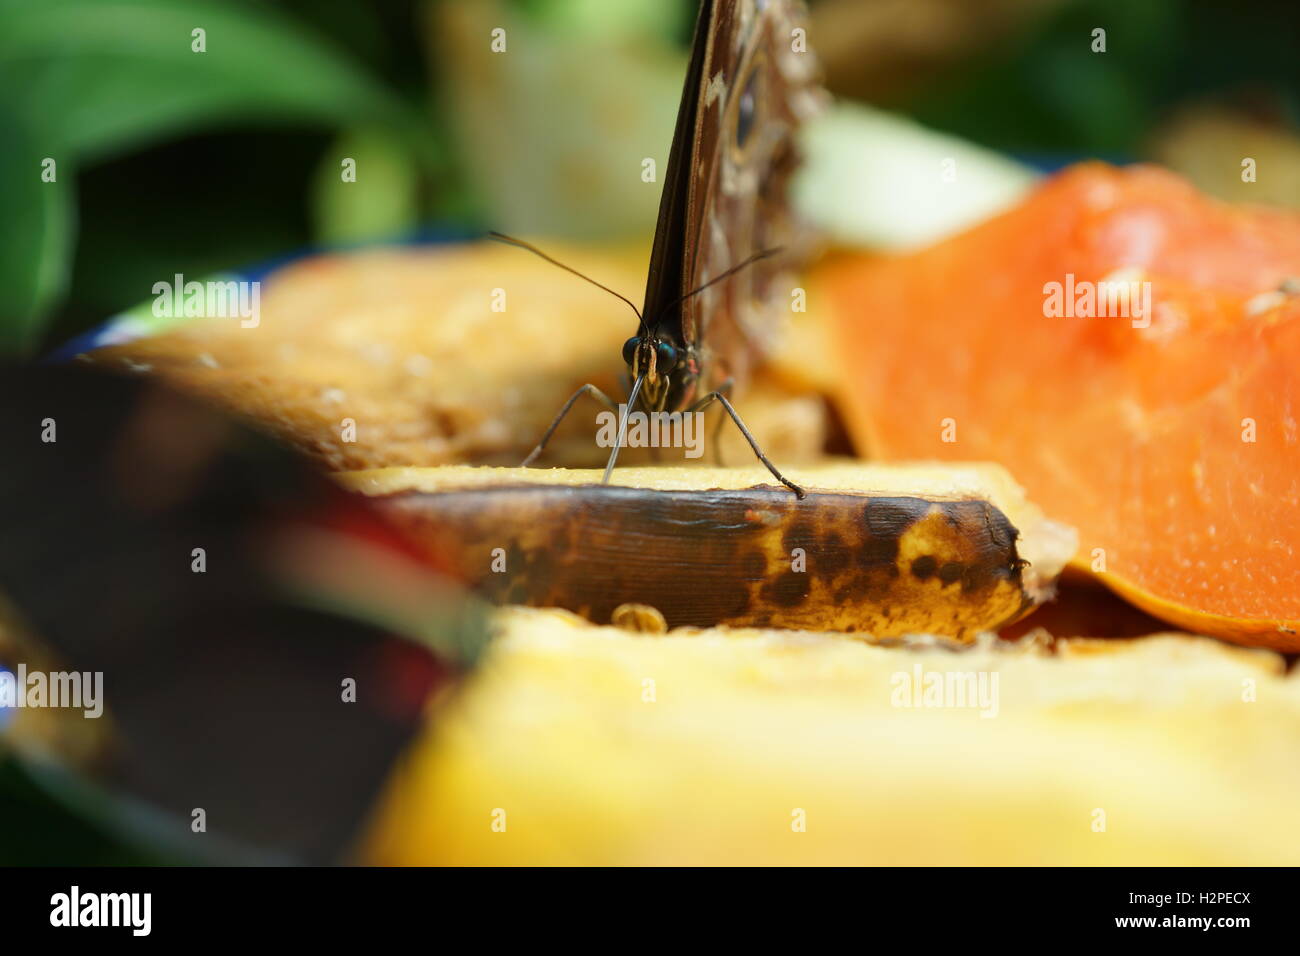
(653, 358)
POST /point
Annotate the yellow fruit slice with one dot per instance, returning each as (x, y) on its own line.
(578, 744)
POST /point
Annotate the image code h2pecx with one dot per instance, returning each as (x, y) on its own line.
(657, 433)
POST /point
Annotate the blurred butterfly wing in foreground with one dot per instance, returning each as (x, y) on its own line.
(752, 81)
(227, 593)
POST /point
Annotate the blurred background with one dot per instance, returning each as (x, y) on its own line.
(168, 158)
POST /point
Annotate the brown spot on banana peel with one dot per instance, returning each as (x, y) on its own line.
(880, 565)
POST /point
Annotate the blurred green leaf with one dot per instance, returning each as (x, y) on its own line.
(105, 77)
(1046, 91)
(383, 201)
(633, 20)
(87, 80)
(36, 241)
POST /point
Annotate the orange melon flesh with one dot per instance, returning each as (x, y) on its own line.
(1139, 437)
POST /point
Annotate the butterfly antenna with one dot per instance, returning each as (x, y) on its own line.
(756, 257)
(511, 241)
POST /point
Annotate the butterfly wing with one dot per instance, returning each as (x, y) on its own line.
(667, 277)
(750, 84)
(224, 688)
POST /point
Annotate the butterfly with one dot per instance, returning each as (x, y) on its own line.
(723, 219)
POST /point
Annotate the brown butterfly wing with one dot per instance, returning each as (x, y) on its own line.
(667, 266)
(747, 91)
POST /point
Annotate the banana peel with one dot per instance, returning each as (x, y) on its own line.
(881, 550)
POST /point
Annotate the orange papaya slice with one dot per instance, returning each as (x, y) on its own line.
(1165, 428)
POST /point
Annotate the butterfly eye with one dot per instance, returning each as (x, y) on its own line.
(665, 358)
(746, 109)
(629, 349)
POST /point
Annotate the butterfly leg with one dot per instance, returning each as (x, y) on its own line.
(723, 389)
(712, 397)
(591, 390)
